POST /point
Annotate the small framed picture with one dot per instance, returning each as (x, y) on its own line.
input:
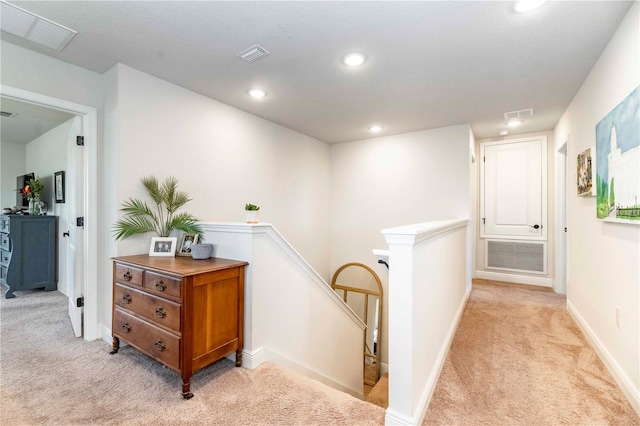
(188, 240)
(59, 186)
(163, 246)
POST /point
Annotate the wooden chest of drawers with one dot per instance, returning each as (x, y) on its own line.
(182, 312)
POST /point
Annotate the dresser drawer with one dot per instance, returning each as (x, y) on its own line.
(4, 224)
(156, 342)
(5, 257)
(127, 274)
(162, 285)
(5, 242)
(161, 311)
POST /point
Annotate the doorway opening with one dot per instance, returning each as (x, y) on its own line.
(89, 275)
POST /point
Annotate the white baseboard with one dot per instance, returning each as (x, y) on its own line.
(394, 418)
(622, 379)
(105, 334)
(514, 278)
(283, 361)
(250, 359)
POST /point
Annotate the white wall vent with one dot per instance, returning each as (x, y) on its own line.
(253, 53)
(522, 256)
(8, 114)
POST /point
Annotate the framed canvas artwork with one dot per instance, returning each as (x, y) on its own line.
(618, 162)
(585, 173)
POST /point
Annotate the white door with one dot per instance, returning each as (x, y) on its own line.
(74, 199)
(513, 199)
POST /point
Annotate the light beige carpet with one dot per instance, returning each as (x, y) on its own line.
(379, 395)
(47, 376)
(519, 359)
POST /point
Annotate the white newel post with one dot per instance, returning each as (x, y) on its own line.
(428, 288)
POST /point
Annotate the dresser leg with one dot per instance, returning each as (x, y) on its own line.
(116, 345)
(9, 294)
(239, 358)
(186, 390)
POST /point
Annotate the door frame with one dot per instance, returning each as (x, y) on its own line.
(562, 185)
(89, 116)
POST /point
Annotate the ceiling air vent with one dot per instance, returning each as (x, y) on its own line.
(253, 53)
(7, 114)
(517, 115)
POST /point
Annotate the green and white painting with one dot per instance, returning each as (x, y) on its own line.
(618, 162)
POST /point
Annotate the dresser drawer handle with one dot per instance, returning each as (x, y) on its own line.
(126, 298)
(127, 276)
(160, 345)
(160, 285)
(126, 327)
(160, 313)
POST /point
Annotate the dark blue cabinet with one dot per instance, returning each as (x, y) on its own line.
(28, 250)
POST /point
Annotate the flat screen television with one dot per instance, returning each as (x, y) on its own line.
(21, 201)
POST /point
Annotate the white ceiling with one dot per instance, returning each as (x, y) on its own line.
(28, 121)
(430, 63)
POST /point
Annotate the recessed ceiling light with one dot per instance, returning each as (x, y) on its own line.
(354, 59)
(375, 128)
(257, 93)
(523, 6)
(504, 132)
(514, 123)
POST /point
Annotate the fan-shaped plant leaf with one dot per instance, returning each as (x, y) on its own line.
(140, 217)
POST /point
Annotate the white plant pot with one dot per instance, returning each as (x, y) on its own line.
(252, 216)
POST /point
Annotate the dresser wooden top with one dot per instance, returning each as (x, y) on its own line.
(180, 265)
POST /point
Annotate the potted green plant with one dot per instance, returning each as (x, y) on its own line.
(252, 212)
(140, 218)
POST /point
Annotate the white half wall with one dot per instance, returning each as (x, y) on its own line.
(292, 316)
(392, 181)
(603, 258)
(429, 287)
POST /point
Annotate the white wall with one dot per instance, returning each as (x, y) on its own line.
(12, 165)
(223, 157)
(392, 181)
(521, 277)
(603, 262)
(46, 155)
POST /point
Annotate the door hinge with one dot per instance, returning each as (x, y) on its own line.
(80, 140)
(565, 229)
(80, 222)
(80, 302)
(484, 159)
(483, 221)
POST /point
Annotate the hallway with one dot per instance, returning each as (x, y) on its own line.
(519, 358)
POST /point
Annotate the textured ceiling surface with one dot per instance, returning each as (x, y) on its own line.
(430, 64)
(28, 121)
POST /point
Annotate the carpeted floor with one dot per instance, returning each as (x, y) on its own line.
(47, 376)
(519, 359)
